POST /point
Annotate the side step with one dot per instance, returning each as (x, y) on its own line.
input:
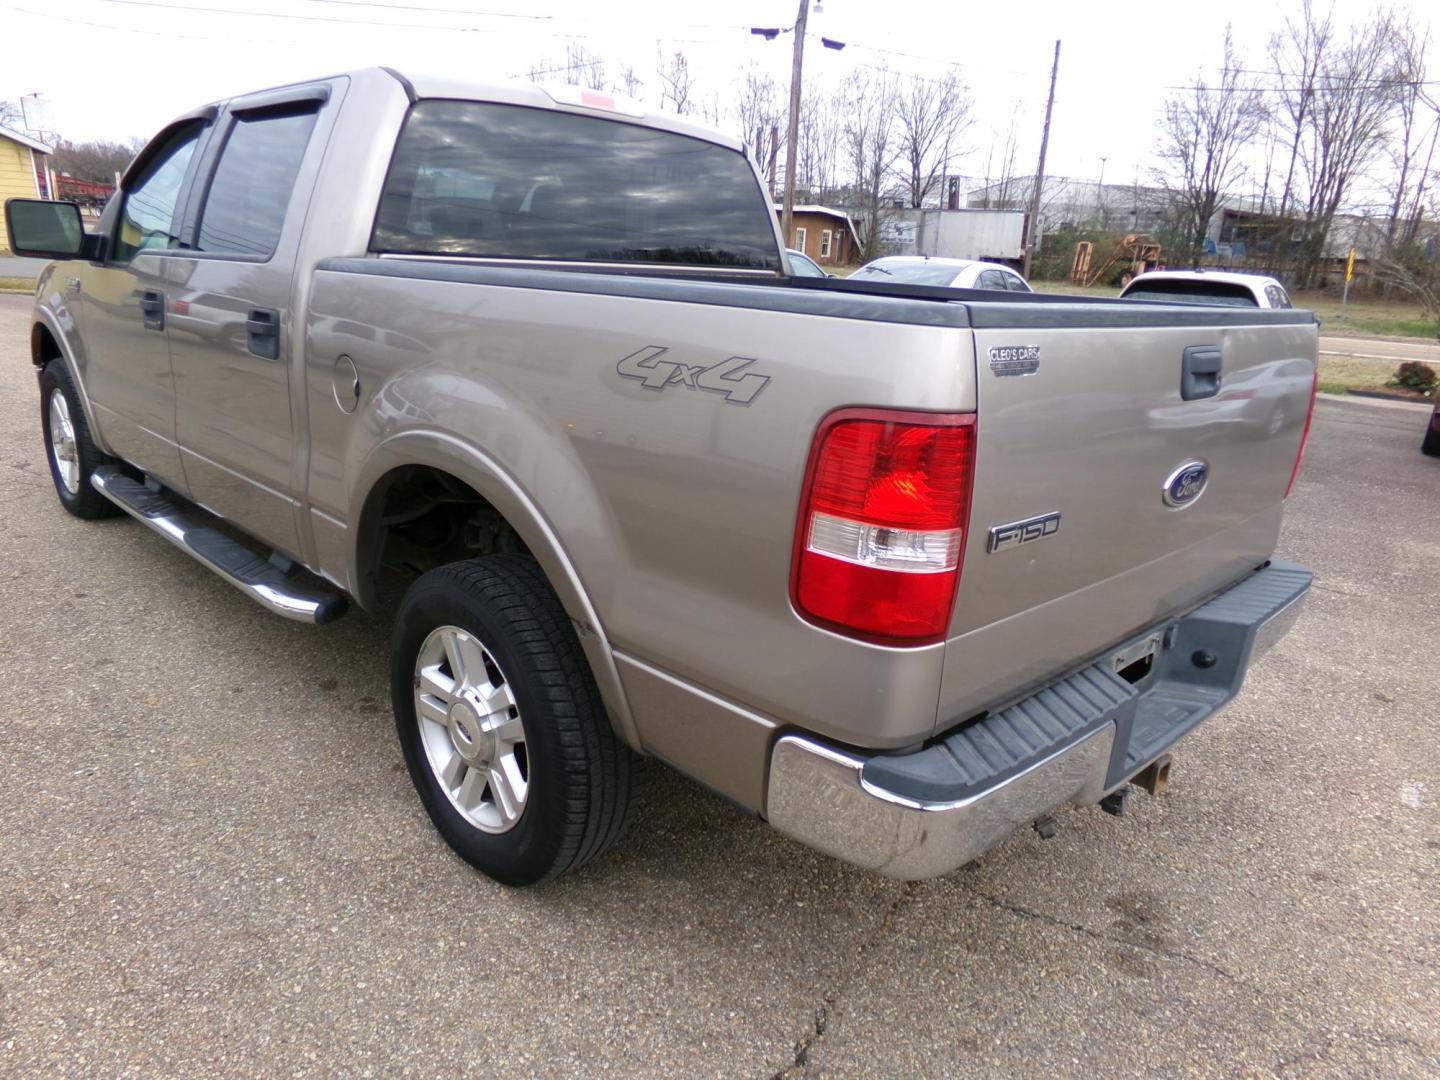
(186, 527)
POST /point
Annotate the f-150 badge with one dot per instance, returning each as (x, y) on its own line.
(729, 377)
(1015, 533)
(1014, 359)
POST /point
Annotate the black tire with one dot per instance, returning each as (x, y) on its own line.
(1431, 443)
(583, 781)
(85, 501)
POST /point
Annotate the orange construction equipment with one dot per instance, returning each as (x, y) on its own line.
(1141, 252)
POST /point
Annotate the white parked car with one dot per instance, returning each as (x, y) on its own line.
(954, 273)
(801, 265)
(1208, 287)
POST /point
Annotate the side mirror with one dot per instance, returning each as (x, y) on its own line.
(42, 229)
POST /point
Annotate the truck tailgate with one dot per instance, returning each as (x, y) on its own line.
(1093, 435)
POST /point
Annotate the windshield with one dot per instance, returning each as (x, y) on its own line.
(508, 181)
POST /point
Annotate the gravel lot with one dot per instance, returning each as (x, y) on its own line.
(212, 862)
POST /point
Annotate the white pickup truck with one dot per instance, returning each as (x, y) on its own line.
(897, 568)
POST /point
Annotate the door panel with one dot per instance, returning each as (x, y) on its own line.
(129, 377)
(229, 332)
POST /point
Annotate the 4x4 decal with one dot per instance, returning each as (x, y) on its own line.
(723, 378)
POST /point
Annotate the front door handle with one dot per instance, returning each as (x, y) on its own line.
(152, 309)
(1200, 372)
(262, 333)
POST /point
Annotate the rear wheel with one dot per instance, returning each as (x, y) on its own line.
(1431, 443)
(501, 722)
(71, 452)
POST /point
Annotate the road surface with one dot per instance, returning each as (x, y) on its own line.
(1394, 349)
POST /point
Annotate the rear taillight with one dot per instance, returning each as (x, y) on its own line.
(882, 523)
(1304, 435)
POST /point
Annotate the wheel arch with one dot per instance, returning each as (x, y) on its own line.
(395, 458)
(50, 341)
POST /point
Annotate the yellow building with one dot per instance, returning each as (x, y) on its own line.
(24, 172)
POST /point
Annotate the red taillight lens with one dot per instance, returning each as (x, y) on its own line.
(882, 525)
(1304, 435)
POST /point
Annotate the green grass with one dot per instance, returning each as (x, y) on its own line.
(17, 285)
(1341, 374)
(1387, 318)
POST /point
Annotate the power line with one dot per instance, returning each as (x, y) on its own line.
(296, 17)
(168, 34)
(441, 10)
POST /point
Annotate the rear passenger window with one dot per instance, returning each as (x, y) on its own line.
(250, 193)
(1016, 283)
(1276, 296)
(991, 279)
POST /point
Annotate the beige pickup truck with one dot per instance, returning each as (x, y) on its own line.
(897, 568)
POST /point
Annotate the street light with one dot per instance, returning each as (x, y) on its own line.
(770, 33)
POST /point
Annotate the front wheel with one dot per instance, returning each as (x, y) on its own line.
(70, 451)
(501, 722)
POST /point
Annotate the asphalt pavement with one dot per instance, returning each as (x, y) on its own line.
(12, 266)
(212, 862)
(1395, 349)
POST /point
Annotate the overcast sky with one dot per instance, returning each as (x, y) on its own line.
(120, 68)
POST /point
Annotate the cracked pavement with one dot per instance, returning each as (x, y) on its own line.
(212, 862)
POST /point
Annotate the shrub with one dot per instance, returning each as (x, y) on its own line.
(1415, 375)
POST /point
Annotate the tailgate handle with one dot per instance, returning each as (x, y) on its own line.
(1200, 372)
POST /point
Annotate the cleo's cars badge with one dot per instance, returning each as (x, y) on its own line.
(1014, 359)
(1186, 484)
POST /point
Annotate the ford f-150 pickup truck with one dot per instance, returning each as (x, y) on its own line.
(897, 568)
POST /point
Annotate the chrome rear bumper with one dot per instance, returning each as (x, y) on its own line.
(924, 814)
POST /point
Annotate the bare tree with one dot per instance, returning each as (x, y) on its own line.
(1347, 125)
(1000, 165)
(629, 83)
(579, 67)
(12, 116)
(821, 146)
(932, 115)
(1204, 131)
(1417, 127)
(870, 144)
(758, 109)
(677, 84)
(1297, 54)
(97, 161)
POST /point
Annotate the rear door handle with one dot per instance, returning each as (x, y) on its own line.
(1200, 372)
(152, 309)
(262, 333)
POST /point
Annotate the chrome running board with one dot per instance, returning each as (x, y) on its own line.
(186, 526)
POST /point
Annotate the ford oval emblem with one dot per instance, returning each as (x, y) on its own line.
(1186, 484)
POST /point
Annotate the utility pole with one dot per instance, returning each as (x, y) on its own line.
(794, 130)
(1034, 223)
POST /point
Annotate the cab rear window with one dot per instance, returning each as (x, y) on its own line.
(512, 182)
(1224, 293)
